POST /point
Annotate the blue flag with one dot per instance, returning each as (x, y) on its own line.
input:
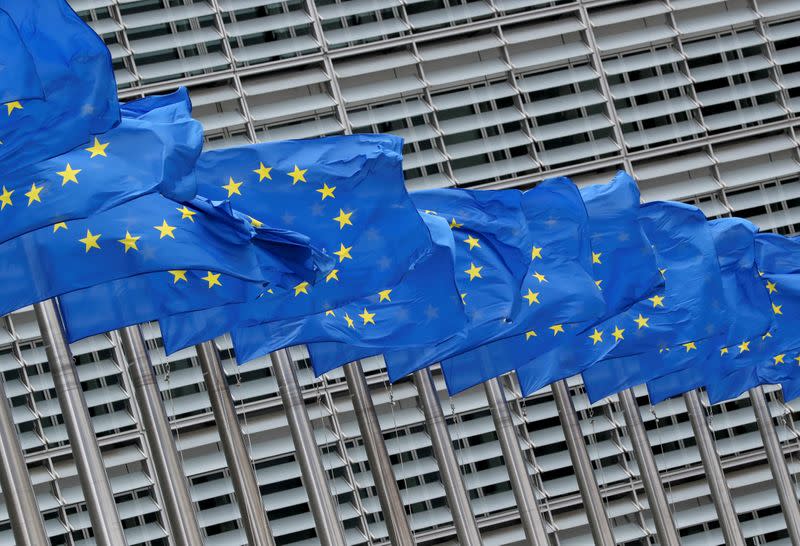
(423, 308)
(154, 148)
(687, 308)
(77, 96)
(521, 258)
(746, 323)
(625, 271)
(18, 77)
(148, 234)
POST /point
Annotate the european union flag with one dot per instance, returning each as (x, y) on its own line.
(624, 269)
(144, 235)
(423, 308)
(687, 308)
(519, 257)
(154, 148)
(76, 95)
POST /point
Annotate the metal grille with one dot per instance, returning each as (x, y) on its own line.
(697, 98)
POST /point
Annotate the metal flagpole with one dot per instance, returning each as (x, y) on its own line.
(183, 525)
(323, 508)
(590, 492)
(243, 476)
(777, 463)
(521, 484)
(653, 488)
(106, 525)
(394, 512)
(449, 469)
(23, 510)
(720, 494)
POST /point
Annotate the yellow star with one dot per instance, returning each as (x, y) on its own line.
(596, 257)
(777, 309)
(14, 105)
(532, 297)
(344, 252)
(658, 301)
(98, 148)
(129, 241)
(617, 333)
(333, 275)
(797, 358)
(690, 346)
(536, 252)
(344, 219)
(263, 172)
(596, 337)
(474, 271)
(301, 288)
(723, 351)
(298, 175)
(60, 225)
(641, 321)
(472, 242)
(428, 211)
(765, 336)
(662, 271)
(349, 321)
(771, 287)
(330, 313)
(68, 175)
(597, 283)
(384, 295)
(327, 191)
(165, 230)
(212, 279)
(256, 223)
(464, 298)
(33, 194)
(454, 224)
(744, 346)
(90, 240)
(367, 317)
(539, 277)
(529, 334)
(556, 328)
(5, 198)
(186, 214)
(178, 275)
(232, 187)
(778, 359)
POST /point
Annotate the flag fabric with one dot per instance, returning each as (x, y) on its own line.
(624, 269)
(77, 96)
(154, 148)
(519, 257)
(725, 362)
(688, 307)
(151, 233)
(423, 308)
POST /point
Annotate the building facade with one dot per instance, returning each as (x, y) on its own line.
(699, 99)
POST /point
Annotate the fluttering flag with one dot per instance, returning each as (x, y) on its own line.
(151, 233)
(519, 257)
(76, 96)
(686, 309)
(346, 194)
(625, 271)
(423, 308)
(153, 149)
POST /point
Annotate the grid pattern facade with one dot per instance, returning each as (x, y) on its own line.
(697, 98)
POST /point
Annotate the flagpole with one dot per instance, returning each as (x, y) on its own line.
(648, 470)
(394, 512)
(777, 463)
(590, 492)
(170, 475)
(243, 476)
(323, 508)
(102, 508)
(521, 484)
(23, 509)
(449, 469)
(720, 494)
